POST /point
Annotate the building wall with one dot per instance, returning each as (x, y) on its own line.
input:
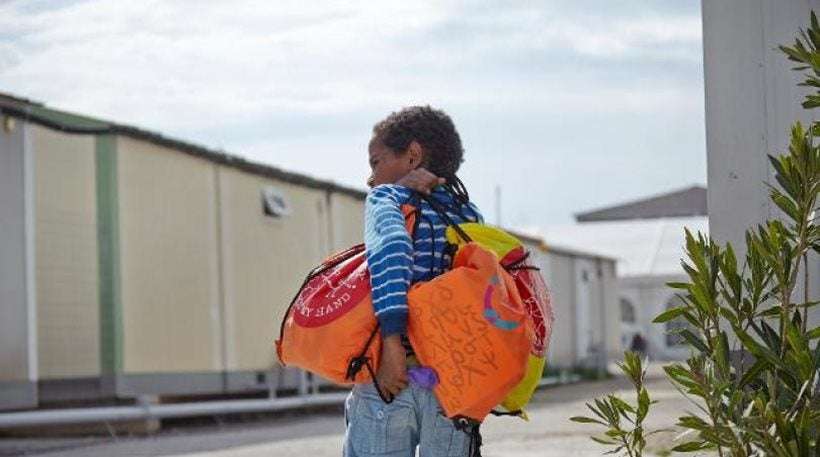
(346, 221)
(586, 330)
(629, 329)
(561, 282)
(651, 296)
(599, 333)
(68, 311)
(752, 99)
(265, 260)
(18, 356)
(169, 269)
(587, 320)
(610, 310)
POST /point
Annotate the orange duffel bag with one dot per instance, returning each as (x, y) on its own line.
(471, 326)
(314, 336)
(330, 328)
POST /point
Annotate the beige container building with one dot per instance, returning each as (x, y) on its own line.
(157, 267)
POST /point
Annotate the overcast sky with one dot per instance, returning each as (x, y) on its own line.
(569, 105)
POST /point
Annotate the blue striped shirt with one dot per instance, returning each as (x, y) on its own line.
(396, 260)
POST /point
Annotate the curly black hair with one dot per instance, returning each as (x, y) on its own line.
(432, 129)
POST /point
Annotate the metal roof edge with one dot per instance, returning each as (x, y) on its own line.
(550, 247)
(78, 124)
(547, 247)
(590, 215)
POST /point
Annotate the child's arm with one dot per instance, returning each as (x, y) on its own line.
(389, 259)
(389, 256)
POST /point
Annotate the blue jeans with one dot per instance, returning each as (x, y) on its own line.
(414, 418)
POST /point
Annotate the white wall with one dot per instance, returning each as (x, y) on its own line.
(650, 296)
(586, 329)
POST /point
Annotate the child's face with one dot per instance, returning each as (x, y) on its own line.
(387, 166)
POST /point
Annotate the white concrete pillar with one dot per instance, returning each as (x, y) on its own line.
(752, 99)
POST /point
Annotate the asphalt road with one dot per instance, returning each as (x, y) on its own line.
(319, 433)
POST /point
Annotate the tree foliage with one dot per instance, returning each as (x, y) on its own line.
(624, 421)
(753, 375)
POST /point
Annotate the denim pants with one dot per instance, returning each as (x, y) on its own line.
(414, 418)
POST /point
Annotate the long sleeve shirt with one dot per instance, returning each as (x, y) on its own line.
(395, 259)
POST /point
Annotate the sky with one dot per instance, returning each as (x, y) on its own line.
(567, 105)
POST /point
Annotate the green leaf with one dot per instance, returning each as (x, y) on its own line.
(774, 311)
(679, 374)
(615, 433)
(694, 341)
(693, 423)
(721, 356)
(752, 373)
(586, 420)
(795, 338)
(603, 440)
(643, 404)
(757, 349)
(728, 314)
(693, 446)
(669, 315)
(621, 405)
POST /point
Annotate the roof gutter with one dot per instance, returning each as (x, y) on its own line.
(182, 146)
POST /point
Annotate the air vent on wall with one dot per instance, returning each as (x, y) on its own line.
(274, 203)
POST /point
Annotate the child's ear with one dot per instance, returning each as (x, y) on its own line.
(415, 153)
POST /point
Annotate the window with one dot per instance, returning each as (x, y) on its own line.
(627, 311)
(274, 203)
(674, 326)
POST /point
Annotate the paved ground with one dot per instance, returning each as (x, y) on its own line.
(319, 434)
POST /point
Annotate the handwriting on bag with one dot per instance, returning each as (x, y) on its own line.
(458, 340)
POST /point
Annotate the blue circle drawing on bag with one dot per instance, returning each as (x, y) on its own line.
(490, 314)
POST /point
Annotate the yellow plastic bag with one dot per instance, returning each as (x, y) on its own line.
(488, 237)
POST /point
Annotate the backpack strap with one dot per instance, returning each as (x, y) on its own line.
(472, 428)
(514, 413)
(363, 361)
(442, 212)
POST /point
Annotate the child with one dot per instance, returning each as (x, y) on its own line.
(404, 146)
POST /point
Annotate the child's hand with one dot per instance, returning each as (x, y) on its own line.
(421, 180)
(392, 375)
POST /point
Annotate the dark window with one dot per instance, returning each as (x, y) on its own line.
(627, 311)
